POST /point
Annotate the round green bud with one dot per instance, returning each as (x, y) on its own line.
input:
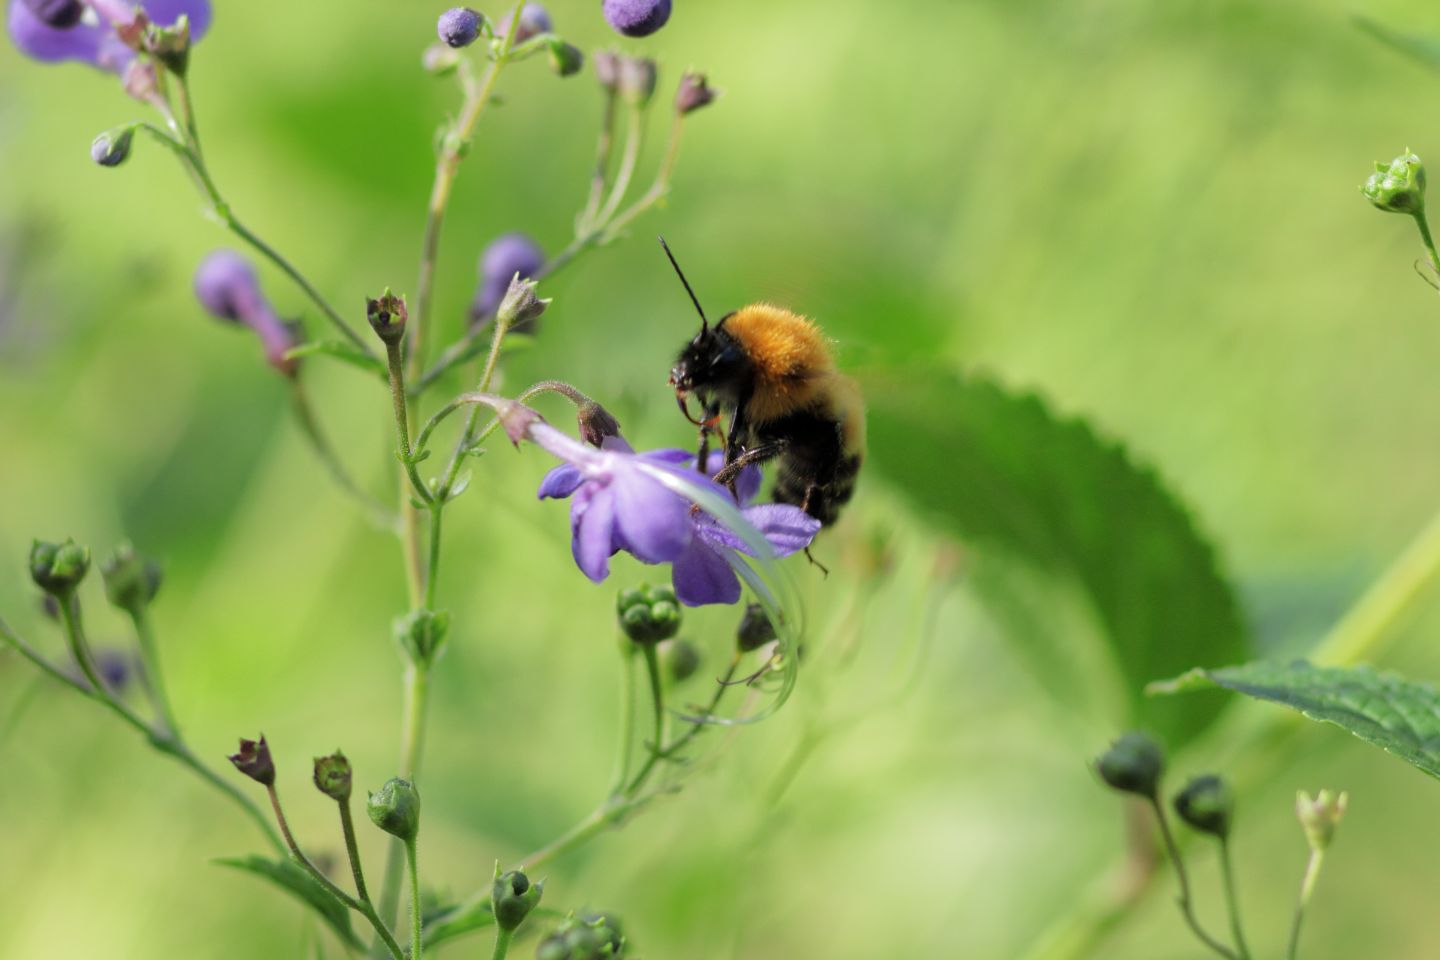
(131, 581)
(332, 776)
(649, 614)
(421, 634)
(395, 808)
(1206, 804)
(594, 936)
(387, 315)
(1397, 187)
(513, 897)
(682, 659)
(58, 568)
(1133, 764)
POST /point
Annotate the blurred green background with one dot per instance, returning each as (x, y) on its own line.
(1145, 212)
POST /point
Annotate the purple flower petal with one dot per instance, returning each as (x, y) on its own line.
(654, 522)
(166, 12)
(747, 484)
(560, 482)
(592, 522)
(38, 40)
(787, 528)
(701, 575)
(670, 455)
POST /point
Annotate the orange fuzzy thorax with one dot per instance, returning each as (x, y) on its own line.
(791, 358)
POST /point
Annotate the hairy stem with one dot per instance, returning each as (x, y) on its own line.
(417, 942)
(1186, 906)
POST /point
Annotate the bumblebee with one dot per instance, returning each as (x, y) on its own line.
(771, 372)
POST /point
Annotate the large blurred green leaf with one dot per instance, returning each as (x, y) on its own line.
(1419, 47)
(1397, 715)
(299, 884)
(1015, 481)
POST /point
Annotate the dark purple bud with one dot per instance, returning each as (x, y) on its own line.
(596, 423)
(565, 58)
(506, 256)
(637, 80)
(459, 26)
(694, 93)
(254, 761)
(755, 629)
(607, 69)
(60, 14)
(112, 147)
(636, 18)
(534, 20)
(115, 668)
(226, 285)
(388, 317)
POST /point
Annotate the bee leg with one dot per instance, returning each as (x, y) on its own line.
(731, 472)
(707, 427)
(805, 505)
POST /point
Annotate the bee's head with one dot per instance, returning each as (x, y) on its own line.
(696, 358)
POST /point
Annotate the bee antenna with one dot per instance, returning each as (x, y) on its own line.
(704, 323)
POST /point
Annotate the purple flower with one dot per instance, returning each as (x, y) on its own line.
(226, 285)
(636, 18)
(96, 43)
(459, 26)
(506, 256)
(617, 503)
(534, 20)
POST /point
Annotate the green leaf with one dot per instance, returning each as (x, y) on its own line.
(290, 877)
(1397, 715)
(1123, 584)
(1424, 50)
(340, 351)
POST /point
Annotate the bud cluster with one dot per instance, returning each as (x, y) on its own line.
(594, 936)
(648, 614)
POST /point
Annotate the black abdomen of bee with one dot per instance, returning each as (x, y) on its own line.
(813, 471)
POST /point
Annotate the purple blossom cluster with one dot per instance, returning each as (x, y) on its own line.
(58, 30)
(226, 285)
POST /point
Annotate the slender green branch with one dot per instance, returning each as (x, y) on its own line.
(150, 658)
(396, 365)
(629, 159)
(456, 144)
(314, 435)
(625, 753)
(417, 940)
(1307, 887)
(352, 849)
(1424, 227)
(361, 907)
(502, 942)
(603, 148)
(1186, 905)
(417, 695)
(1232, 899)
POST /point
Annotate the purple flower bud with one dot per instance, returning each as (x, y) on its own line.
(636, 18)
(226, 285)
(596, 423)
(637, 79)
(694, 93)
(60, 14)
(112, 148)
(460, 26)
(506, 256)
(98, 44)
(607, 69)
(254, 761)
(534, 20)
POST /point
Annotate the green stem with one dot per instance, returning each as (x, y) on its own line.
(150, 659)
(395, 362)
(1186, 906)
(1307, 887)
(627, 717)
(502, 943)
(456, 145)
(603, 148)
(315, 436)
(361, 907)
(1232, 900)
(432, 570)
(634, 138)
(417, 695)
(1424, 227)
(352, 849)
(19, 708)
(417, 942)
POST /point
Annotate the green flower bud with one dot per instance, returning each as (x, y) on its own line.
(594, 936)
(635, 79)
(131, 581)
(58, 568)
(1318, 816)
(387, 316)
(513, 897)
(1133, 764)
(171, 45)
(755, 629)
(520, 305)
(421, 634)
(395, 808)
(332, 776)
(254, 761)
(1207, 805)
(648, 614)
(565, 58)
(682, 659)
(1398, 187)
